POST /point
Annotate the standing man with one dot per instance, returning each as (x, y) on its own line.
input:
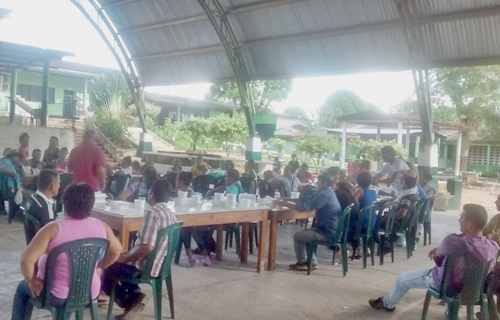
(87, 163)
(394, 169)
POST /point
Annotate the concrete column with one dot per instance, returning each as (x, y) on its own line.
(253, 149)
(459, 151)
(407, 142)
(378, 133)
(344, 145)
(445, 155)
(400, 133)
(85, 102)
(417, 146)
(45, 94)
(13, 88)
(179, 113)
(145, 143)
(488, 155)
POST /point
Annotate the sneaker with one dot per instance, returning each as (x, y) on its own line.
(193, 262)
(132, 311)
(302, 266)
(379, 305)
(207, 261)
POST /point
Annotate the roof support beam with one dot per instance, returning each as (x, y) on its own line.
(238, 9)
(215, 13)
(117, 3)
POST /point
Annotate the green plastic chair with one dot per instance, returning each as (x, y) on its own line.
(476, 272)
(83, 256)
(386, 233)
(173, 233)
(338, 242)
(367, 236)
(30, 221)
(410, 227)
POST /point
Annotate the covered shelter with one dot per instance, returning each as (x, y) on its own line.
(14, 57)
(405, 125)
(161, 42)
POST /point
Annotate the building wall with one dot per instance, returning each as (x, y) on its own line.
(39, 137)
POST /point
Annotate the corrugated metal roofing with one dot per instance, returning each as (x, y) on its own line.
(172, 41)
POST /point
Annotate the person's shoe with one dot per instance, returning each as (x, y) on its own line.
(302, 266)
(207, 261)
(132, 311)
(197, 251)
(193, 262)
(379, 305)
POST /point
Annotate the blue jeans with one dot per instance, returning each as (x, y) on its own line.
(409, 280)
(22, 308)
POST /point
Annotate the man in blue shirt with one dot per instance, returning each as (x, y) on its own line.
(10, 179)
(327, 208)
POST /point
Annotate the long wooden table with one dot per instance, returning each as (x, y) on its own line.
(275, 215)
(128, 220)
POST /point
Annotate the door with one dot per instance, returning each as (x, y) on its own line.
(69, 104)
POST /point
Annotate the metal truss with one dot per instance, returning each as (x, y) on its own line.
(92, 10)
(421, 77)
(218, 18)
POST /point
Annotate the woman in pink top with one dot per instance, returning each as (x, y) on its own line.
(77, 224)
(61, 164)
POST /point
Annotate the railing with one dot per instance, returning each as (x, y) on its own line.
(107, 145)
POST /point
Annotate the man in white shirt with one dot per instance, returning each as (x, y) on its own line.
(394, 169)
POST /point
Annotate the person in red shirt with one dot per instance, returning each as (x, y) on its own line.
(304, 174)
(87, 163)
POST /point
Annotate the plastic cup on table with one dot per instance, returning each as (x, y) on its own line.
(231, 197)
(218, 196)
(262, 202)
(182, 194)
(140, 203)
(245, 203)
(295, 195)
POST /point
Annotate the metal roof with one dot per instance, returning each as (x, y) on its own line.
(13, 55)
(173, 42)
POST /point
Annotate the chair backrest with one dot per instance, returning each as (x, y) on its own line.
(476, 272)
(122, 183)
(390, 209)
(370, 211)
(220, 181)
(282, 189)
(172, 179)
(265, 189)
(83, 258)
(202, 183)
(249, 185)
(173, 234)
(343, 225)
(411, 218)
(31, 225)
(429, 206)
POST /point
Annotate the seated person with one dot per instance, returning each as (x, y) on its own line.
(304, 175)
(41, 204)
(233, 184)
(126, 167)
(267, 186)
(407, 197)
(277, 165)
(291, 181)
(129, 265)
(250, 169)
(148, 163)
(183, 183)
(424, 178)
(11, 173)
(394, 169)
(294, 164)
(176, 166)
(229, 165)
(344, 195)
(61, 164)
(334, 172)
(78, 202)
(35, 162)
(472, 221)
(140, 189)
(136, 168)
(365, 195)
(327, 214)
(200, 168)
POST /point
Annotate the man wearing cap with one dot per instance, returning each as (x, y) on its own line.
(10, 179)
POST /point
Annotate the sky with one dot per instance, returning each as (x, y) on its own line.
(58, 24)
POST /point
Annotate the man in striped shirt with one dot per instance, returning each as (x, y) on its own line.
(130, 264)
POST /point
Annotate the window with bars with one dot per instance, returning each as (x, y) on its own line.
(478, 155)
(34, 93)
(495, 156)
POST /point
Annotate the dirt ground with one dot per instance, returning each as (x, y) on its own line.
(481, 196)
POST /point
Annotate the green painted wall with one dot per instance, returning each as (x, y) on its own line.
(215, 113)
(56, 81)
(266, 118)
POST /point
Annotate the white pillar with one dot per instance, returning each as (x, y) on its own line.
(400, 133)
(85, 102)
(344, 145)
(459, 151)
(378, 133)
(407, 142)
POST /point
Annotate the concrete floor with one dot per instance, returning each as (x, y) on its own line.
(229, 290)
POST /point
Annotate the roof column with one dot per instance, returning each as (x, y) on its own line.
(45, 93)
(344, 145)
(407, 142)
(378, 133)
(458, 153)
(400, 133)
(13, 88)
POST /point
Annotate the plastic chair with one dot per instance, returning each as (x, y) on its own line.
(31, 225)
(472, 293)
(249, 185)
(235, 230)
(410, 227)
(366, 237)
(202, 184)
(172, 179)
(173, 234)
(427, 220)
(66, 179)
(386, 234)
(338, 241)
(221, 181)
(83, 256)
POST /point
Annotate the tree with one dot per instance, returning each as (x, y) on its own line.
(264, 92)
(371, 149)
(111, 92)
(316, 146)
(195, 128)
(278, 144)
(228, 129)
(409, 107)
(473, 92)
(340, 103)
(294, 111)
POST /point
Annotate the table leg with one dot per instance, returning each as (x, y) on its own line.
(124, 237)
(245, 230)
(273, 235)
(220, 236)
(262, 242)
